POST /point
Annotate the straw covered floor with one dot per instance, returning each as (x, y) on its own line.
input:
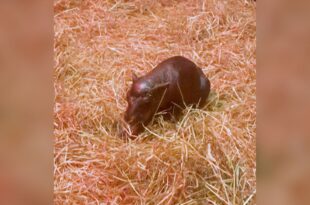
(207, 157)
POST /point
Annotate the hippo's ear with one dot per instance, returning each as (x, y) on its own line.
(159, 88)
(134, 76)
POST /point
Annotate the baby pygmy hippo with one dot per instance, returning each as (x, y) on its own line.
(171, 85)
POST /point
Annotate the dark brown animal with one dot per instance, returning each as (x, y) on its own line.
(170, 86)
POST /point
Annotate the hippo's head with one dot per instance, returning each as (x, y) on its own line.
(143, 100)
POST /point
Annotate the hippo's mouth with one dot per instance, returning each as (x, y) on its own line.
(136, 128)
(131, 130)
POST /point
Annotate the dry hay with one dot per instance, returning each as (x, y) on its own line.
(208, 157)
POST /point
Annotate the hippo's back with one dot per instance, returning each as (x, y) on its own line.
(179, 63)
(188, 84)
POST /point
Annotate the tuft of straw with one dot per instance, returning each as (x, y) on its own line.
(206, 157)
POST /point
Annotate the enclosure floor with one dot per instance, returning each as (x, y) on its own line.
(207, 157)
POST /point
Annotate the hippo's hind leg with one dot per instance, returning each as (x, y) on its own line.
(176, 112)
(204, 90)
(173, 113)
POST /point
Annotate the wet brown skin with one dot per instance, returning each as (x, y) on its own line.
(170, 86)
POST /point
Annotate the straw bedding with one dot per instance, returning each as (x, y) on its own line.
(207, 157)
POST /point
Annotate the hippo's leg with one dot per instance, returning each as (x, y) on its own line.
(176, 112)
(204, 90)
(173, 113)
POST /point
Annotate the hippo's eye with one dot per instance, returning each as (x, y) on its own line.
(145, 94)
(146, 99)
